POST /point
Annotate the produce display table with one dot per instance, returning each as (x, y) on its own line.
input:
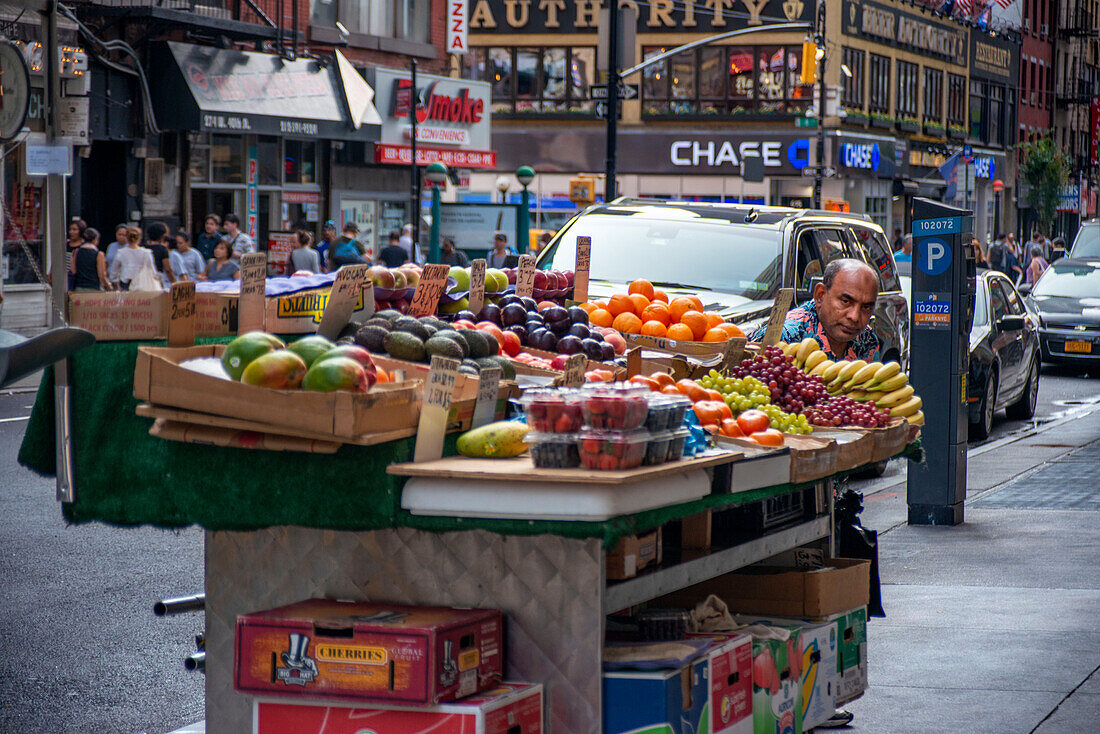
(281, 527)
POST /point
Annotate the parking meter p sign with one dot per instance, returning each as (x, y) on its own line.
(933, 256)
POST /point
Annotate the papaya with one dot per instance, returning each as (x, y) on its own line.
(281, 369)
(336, 373)
(240, 352)
(500, 440)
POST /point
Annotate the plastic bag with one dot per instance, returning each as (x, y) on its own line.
(147, 279)
(856, 541)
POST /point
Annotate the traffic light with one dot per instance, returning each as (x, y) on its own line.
(582, 190)
(809, 63)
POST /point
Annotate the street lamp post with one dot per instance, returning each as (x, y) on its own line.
(998, 187)
(525, 175)
(819, 41)
(436, 173)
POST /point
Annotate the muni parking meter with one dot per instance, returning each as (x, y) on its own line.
(939, 358)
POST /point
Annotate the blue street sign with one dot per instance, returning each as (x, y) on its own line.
(968, 152)
(933, 255)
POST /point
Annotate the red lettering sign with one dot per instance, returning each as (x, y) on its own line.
(432, 106)
(402, 155)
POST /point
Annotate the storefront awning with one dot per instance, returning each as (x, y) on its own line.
(217, 90)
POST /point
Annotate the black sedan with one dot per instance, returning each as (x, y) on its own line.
(1067, 298)
(1004, 354)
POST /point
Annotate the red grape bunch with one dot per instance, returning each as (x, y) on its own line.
(791, 389)
(844, 411)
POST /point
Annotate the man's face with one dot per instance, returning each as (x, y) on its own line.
(182, 244)
(211, 226)
(846, 308)
(120, 235)
(907, 245)
(231, 227)
(447, 246)
(350, 233)
(329, 234)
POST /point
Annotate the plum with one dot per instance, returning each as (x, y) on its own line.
(519, 331)
(530, 303)
(513, 315)
(560, 327)
(570, 345)
(578, 315)
(607, 352)
(556, 313)
(508, 300)
(490, 312)
(580, 331)
(467, 316)
(547, 341)
(592, 348)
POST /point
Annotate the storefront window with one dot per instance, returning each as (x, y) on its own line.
(654, 82)
(198, 168)
(22, 225)
(527, 77)
(267, 160)
(500, 77)
(798, 94)
(853, 84)
(742, 80)
(711, 79)
(769, 77)
(956, 99)
(880, 84)
(300, 162)
(551, 80)
(683, 82)
(977, 99)
(933, 94)
(908, 89)
(227, 158)
(995, 127)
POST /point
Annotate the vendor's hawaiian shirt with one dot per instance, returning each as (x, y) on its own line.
(803, 321)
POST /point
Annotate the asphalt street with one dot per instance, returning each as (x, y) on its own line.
(80, 649)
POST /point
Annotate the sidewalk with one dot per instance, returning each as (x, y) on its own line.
(994, 625)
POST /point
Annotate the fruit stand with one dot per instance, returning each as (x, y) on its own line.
(551, 539)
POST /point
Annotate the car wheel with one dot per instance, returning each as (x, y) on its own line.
(1024, 408)
(984, 426)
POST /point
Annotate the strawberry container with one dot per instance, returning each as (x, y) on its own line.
(552, 411)
(615, 406)
(612, 450)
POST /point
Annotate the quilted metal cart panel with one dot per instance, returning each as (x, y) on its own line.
(549, 587)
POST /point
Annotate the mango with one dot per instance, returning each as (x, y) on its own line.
(356, 352)
(241, 351)
(309, 348)
(281, 369)
(336, 373)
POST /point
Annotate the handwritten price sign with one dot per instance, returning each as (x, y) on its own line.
(488, 389)
(343, 298)
(778, 315)
(525, 277)
(581, 269)
(477, 285)
(433, 281)
(438, 390)
(575, 368)
(181, 317)
(250, 307)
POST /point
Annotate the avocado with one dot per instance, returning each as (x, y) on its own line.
(433, 321)
(431, 330)
(406, 346)
(379, 321)
(412, 326)
(471, 364)
(491, 343)
(389, 314)
(455, 337)
(475, 345)
(444, 347)
(507, 369)
(372, 337)
(466, 369)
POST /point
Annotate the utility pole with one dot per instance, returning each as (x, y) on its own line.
(613, 57)
(819, 41)
(415, 170)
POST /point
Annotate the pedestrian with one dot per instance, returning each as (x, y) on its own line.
(346, 250)
(187, 262)
(1012, 267)
(120, 242)
(500, 252)
(88, 265)
(157, 236)
(996, 258)
(239, 242)
(1037, 265)
(544, 240)
(130, 260)
(411, 247)
(305, 257)
(905, 254)
(1036, 239)
(897, 239)
(979, 256)
(1057, 248)
(393, 255)
(209, 236)
(328, 236)
(76, 238)
(451, 256)
(222, 266)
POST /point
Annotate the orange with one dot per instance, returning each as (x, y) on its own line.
(731, 329)
(696, 321)
(601, 317)
(627, 323)
(600, 304)
(696, 301)
(643, 287)
(620, 303)
(663, 379)
(640, 302)
(716, 335)
(654, 328)
(588, 307)
(710, 411)
(713, 319)
(680, 306)
(659, 296)
(656, 311)
(681, 332)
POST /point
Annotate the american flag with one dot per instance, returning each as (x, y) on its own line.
(1005, 3)
(963, 8)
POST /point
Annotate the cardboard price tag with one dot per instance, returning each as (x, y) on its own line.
(343, 298)
(575, 367)
(778, 315)
(736, 350)
(580, 270)
(438, 390)
(488, 390)
(250, 305)
(525, 277)
(182, 314)
(477, 285)
(433, 281)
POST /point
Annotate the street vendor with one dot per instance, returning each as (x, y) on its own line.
(840, 313)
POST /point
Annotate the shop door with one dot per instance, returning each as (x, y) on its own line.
(263, 224)
(214, 201)
(103, 184)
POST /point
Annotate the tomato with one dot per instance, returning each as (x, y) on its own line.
(692, 390)
(711, 428)
(710, 411)
(728, 427)
(647, 381)
(715, 395)
(752, 421)
(663, 379)
(767, 437)
(671, 390)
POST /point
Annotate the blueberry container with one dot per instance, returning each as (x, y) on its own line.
(656, 449)
(553, 450)
(676, 441)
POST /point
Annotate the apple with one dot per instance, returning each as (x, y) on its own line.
(559, 362)
(412, 277)
(399, 281)
(542, 280)
(462, 324)
(401, 305)
(382, 277)
(569, 278)
(462, 304)
(511, 275)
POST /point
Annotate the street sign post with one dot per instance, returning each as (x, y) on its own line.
(939, 354)
(626, 91)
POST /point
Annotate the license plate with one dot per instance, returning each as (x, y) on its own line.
(1079, 347)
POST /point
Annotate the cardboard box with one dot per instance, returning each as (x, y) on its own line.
(820, 675)
(730, 675)
(366, 651)
(632, 554)
(658, 701)
(851, 659)
(777, 685)
(512, 708)
(159, 379)
(785, 592)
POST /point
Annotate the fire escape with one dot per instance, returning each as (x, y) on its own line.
(1078, 47)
